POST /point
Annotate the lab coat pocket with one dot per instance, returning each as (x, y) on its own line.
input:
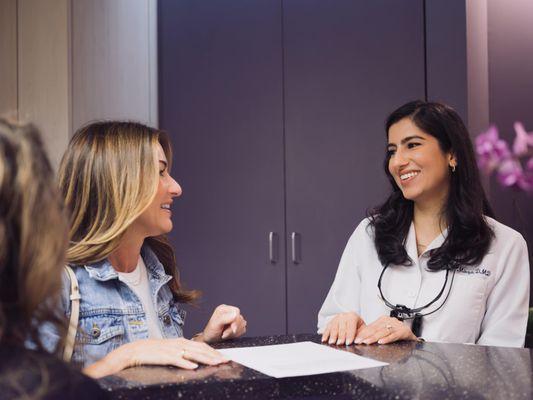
(465, 306)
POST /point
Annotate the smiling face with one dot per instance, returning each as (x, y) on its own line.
(417, 163)
(156, 219)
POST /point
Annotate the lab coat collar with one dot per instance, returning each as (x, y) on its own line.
(410, 243)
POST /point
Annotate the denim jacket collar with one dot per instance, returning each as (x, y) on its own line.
(104, 271)
(101, 270)
(156, 271)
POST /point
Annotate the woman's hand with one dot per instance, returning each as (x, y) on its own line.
(343, 328)
(384, 330)
(225, 323)
(179, 352)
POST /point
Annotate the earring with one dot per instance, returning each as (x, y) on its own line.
(453, 168)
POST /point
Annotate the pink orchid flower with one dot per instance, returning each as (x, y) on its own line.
(510, 172)
(492, 151)
(494, 155)
(523, 139)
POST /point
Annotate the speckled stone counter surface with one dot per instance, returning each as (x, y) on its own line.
(415, 370)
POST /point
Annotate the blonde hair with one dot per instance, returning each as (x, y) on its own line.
(108, 177)
(33, 236)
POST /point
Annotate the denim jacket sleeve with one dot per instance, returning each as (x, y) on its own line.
(50, 337)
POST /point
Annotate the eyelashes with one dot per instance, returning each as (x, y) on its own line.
(410, 145)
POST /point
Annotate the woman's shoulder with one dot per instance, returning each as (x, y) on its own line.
(363, 232)
(504, 234)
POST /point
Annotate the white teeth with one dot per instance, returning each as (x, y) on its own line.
(408, 175)
(166, 206)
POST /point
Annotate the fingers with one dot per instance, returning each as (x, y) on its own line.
(179, 352)
(341, 339)
(202, 357)
(391, 338)
(399, 332)
(376, 335)
(348, 328)
(334, 332)
(199, 352)
(351, 330)
(226, 322)
(185, 364)
(226, 314)
(342, 329)
(384, 330)
(364, 333)
(325, 334)
(367, 332)
(235, 329)
(227, 332)
(241, 326)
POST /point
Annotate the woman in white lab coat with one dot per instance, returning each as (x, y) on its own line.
(430, 262)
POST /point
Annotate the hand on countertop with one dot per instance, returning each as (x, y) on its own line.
(343, 328)
(225, 323)
(384, 330)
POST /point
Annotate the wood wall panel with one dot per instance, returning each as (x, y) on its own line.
(114, 61)
(8, 58)
(43, 70)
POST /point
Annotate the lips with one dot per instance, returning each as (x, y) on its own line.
(407, 176)
(166, 207)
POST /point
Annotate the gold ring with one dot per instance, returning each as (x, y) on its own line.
(183, 353)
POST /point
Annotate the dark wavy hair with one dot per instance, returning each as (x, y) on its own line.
(33, 237)
(469, 235)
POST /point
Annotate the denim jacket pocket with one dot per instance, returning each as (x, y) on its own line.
(97, 336)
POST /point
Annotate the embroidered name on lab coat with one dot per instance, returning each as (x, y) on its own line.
(473, 271)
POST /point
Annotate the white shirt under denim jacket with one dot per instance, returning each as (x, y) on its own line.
(487, 304)
(111, 314)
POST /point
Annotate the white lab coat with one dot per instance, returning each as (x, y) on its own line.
(488, 304)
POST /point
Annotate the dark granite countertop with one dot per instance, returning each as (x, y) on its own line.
(417, 370)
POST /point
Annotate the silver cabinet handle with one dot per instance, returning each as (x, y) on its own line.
(296, 247)
(273, 247)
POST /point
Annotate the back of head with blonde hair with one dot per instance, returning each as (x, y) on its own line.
(33, 236)
(108, 176)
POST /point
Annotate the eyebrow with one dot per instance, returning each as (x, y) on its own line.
(405, 140)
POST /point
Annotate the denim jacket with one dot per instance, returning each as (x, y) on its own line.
(111, 314)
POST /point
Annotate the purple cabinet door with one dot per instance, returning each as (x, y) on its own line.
(220, 88)
(276, 112)
(347, 65)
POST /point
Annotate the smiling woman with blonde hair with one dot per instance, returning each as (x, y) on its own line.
(115, 179)
(109, 177)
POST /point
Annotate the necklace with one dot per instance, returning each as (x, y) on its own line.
(420, 248)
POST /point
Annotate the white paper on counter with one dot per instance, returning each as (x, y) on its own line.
(298, 359)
